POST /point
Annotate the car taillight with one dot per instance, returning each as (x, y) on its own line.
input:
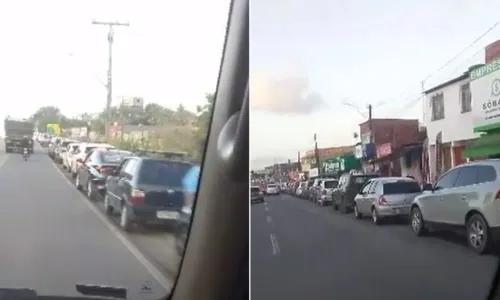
(381, 201)
(136, 196)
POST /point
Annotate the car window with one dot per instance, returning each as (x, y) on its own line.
(447, 180)
(113, 157)
(366, 187)
(130, 168)
(373, 187)
(271, 185)
(163, 172)
(121, 168)
(88, 149)
(466, 176)
(330, 184)
(401, 187)
(486, 174)
(255, 190)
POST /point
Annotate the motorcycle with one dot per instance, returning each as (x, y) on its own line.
(25, 154)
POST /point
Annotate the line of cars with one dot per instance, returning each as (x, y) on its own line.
(257, 193)
(140, 187)
(465, 199)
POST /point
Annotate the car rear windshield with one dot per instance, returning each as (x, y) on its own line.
(401, 187)
(74, 147)
(113, 157)
(271, 185)
(163, 172)
(255, 190)
(88, 149)
(331, 184)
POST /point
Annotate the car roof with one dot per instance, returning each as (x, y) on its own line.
(392, 179)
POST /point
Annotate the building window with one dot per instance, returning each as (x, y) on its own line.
(437, 102)
(465, 98)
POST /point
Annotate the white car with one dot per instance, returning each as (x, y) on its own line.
(67, 156)
(272, 189)
(81, 153)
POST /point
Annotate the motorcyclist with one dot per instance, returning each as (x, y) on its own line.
(25, 144)
(190, 180)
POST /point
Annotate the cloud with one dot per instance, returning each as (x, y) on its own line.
(287, 93)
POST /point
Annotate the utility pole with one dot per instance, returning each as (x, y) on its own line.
(370, 122)
(110, 60)
(316, 154)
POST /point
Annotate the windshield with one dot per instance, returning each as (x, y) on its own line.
(271, 186)
(114, 157)
(88, 75)
(401, 187)
(255, 190)
(163, 173)
(330, 184)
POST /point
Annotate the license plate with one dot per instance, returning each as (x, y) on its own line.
(167, 215)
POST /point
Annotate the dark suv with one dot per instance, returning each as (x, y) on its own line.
(348, 187)
(146, 190)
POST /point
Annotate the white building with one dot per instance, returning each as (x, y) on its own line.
(448, 118)
(132, 102)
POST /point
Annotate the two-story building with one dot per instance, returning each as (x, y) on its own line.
(449, 121)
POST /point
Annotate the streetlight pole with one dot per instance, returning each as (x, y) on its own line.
(110, 60)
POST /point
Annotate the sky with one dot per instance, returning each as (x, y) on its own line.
(317, 64)
(52, 54)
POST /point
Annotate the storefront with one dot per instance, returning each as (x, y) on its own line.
(337, 165)
(485, 90)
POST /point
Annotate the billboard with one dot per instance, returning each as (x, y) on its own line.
(54, 129)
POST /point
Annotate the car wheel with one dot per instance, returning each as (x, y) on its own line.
(417, 222)
(77, 182)
(342, 206)
(107, 206)
(375, 217)
(90, 190)
(357, 214)
(478, 234)
(125, 223)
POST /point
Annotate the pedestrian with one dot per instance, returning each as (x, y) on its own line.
(191, 180)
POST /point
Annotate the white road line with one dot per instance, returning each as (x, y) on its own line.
(269, 220)
(2, 162)
(265, 206)
(166, 283)
(274, 244)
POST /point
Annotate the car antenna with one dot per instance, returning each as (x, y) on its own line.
(102, 290)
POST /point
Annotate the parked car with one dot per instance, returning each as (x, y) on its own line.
(96, 167)
(300, 189)
(272, 189)
(348, 187)
(256, 195)
(386, 197)
(307, 189)
(466, 197)
(81, 152)
(146, 190)
(324, 191)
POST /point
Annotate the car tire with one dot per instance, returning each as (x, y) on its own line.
(335, 206)
(375, 217)
(417, 222)
(107, 206)
(125, 222)
(342, 207)
(78, 184)
(357, 214)
(90, 191)
(478, 234)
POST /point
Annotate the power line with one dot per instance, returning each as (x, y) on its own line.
(463, 51)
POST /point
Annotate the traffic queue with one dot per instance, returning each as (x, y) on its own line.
(465, 199)
(139, 188)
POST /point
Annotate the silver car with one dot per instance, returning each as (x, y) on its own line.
(272, 189)
(467, 197)
(386, 197)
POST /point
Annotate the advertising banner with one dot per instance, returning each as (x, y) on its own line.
(485, 90)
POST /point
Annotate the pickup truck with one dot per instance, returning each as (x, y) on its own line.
(15, 132)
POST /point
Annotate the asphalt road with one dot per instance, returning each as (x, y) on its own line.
(53, 238)
(303, 251)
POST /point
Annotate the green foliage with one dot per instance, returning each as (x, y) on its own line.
(174, 130)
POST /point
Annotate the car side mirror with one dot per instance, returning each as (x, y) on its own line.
(428, 187)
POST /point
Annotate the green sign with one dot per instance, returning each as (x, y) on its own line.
(341, 163)
(485, 70)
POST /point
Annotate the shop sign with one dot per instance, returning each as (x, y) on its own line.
(384, 150)
(334, 165)
(358, 151)
(485, 90)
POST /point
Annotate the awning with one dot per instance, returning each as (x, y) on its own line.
(486, 144)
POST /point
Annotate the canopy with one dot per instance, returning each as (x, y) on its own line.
(487, 144)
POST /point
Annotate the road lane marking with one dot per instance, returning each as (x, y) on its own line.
(265, 206)
(2, 162)
(274, 244)
(269, 220)
(162, 280)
